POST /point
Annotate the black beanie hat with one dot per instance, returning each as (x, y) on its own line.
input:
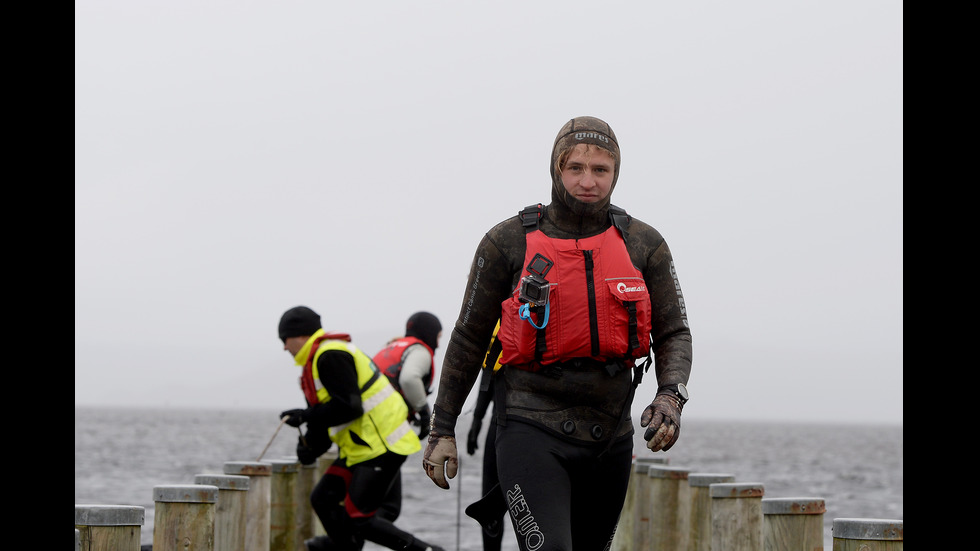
(299, 321)
(425, 327)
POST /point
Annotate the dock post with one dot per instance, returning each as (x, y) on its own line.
(791, 523)
(283, 526)
(669, 507)
(305, 517)
(868, 534)
(736, 516)
(183, 517)
(259, 493)
(699, 538)
(229, 510)
(108, 527)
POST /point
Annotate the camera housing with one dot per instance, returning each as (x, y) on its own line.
(534, 288)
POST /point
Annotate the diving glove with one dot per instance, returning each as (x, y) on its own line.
(439, 459)
(663, 421)
(423, 421)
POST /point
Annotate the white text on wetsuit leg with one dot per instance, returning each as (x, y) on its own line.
(521, 513)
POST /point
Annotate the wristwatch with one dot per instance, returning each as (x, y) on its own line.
(679, 390)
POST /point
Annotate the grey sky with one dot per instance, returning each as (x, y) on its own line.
(235, 159)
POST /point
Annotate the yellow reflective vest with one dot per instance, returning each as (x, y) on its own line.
(384, 424)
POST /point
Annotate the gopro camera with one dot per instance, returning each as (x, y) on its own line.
(534, 287)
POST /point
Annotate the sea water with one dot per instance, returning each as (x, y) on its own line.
(121, 454)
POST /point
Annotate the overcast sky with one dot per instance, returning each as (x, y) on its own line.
(236, 158)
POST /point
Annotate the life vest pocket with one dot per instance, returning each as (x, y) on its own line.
(631, 332)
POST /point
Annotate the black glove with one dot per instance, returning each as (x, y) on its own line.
(423, 421)
(295, 417)
(473, 438)
(305, 453)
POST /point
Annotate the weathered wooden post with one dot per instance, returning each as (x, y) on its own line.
(736, 516)
(868, 534)
(670, 508)
(793, 523)
(108, 527)
(283, 531)
(629, 517)
(305, 517)
(699, 538)
(259, 493)
(183, 517)
(229, 510)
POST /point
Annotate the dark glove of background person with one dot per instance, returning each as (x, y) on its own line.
(296, 417)
(306, 454)
(423, 422)
(663, 421)
(473, 438)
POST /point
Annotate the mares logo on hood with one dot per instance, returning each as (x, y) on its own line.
(591, 136)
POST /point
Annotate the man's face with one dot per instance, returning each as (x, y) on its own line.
(588, 173)
(294, 344)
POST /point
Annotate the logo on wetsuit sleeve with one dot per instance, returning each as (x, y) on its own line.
(523, 519)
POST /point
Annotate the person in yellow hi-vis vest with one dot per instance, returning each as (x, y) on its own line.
(351, 404)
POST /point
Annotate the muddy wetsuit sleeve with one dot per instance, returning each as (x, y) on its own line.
(671, 332)
(496, 265)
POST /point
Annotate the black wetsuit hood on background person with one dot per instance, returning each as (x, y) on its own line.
(497, 266)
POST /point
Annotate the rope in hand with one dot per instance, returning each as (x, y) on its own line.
(273, 438)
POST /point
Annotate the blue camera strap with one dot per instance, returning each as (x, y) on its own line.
(525, 314)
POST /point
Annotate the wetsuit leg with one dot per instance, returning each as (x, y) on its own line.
(392, 505)
(491, 541)
(327, 500)
(538, 472)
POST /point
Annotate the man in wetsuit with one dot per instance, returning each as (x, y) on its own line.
(583, 292)
(351, 404)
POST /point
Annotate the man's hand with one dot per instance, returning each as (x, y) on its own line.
(473, 438)
(294, 417)
(663, 421)
(439, 459)
(424, 421)
(304, 453)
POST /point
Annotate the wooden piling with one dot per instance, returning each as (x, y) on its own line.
(259, 494)
(699, 537)
(670, 508)
(868, 534)
(305, 517)
(736, 516)
(793, 523)
(183, 518)
(108, 527)
(229, 510)
(283, 525)
(633, 519)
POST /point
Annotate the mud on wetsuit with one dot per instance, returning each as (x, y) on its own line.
(565, 482)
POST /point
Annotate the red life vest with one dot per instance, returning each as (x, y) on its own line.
(599, 305)
(391, 358)
(306, 379)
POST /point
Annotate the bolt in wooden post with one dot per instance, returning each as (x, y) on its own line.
(792, 523)
(283, 531)
(736, 516)
(108, 527)
(259, 494)
(670, 506)
(699, 538)
(229, 510)
(868, 534)
(183, 517)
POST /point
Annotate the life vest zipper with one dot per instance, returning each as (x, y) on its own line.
(593, 316)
